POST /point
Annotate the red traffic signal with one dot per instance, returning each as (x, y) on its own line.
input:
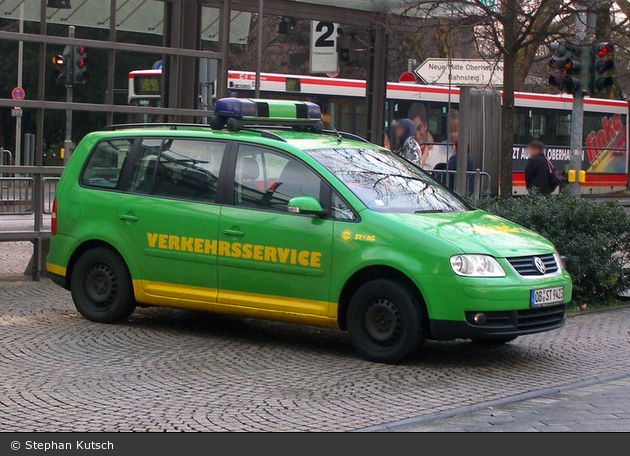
(603, 49)
(80, 71)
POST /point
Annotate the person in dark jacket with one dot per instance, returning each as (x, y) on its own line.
(540, 174)
(452, 166)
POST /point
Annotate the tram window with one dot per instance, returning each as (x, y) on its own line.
(563, 128)
(360, 120)
(521, 126)
(537, 126)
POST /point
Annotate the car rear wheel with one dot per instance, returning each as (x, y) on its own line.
(385, 321)
(101, 286)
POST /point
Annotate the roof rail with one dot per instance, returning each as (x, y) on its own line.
(171, 126)
(300, 128)
(260, 129)
(264, 133)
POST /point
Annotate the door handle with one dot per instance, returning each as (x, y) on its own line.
(128, 217)
(233, 233)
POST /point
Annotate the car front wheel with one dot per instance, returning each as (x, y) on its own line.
(385, 321)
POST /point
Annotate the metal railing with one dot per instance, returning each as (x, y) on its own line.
(477, 182)
(6, 157)
(29, 190)
(50, 187)
(16, 195)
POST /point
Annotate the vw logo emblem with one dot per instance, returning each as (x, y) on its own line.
(540, 265)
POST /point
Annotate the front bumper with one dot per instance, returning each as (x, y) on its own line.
(453, 301)
(500, 324)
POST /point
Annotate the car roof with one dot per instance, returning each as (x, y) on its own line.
(301, 140)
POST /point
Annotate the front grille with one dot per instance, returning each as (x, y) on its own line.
(526, 320)
(526, 265)
(540, 318)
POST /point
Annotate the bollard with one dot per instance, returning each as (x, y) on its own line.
(477, 185)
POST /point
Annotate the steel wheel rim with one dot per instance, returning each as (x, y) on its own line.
(100, 286)
(383, 322)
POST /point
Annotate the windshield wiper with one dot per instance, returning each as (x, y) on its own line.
(429, 211)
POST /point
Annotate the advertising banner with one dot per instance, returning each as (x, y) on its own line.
(605, 149)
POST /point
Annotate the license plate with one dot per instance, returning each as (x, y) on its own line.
(546, 296)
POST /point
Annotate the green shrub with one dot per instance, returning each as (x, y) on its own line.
(594, 237)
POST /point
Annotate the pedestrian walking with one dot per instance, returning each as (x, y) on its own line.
(540, 174)
(409, 149)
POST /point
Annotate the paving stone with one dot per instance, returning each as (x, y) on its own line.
(580, 410)
(173, 370)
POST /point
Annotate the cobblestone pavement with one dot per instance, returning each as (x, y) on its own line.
(14, 258)
(175, 370)
(602, 407)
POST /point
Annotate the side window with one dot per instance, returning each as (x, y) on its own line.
(178, 168)
(144, 166)
(341, 210)
(268, 180)
(106, 162)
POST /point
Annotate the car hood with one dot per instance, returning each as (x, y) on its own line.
(477, 232)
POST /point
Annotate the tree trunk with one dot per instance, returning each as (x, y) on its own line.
(507, 126)
(510, 17)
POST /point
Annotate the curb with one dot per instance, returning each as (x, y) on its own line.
(401, 425)
(595, 311)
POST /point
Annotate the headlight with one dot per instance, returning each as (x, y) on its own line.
(560, 261)
(476, 266)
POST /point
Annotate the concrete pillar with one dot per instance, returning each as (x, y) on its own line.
(183, 29)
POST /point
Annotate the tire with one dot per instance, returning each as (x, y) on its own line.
(497, 341)
(385, 321)
(101, 286)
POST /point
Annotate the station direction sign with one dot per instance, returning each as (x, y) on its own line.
(461, 72)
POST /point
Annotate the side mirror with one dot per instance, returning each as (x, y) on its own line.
(305, 205)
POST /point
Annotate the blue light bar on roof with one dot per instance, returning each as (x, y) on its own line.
(268, 110)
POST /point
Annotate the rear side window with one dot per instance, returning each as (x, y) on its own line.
(106, 162)
(178, 168)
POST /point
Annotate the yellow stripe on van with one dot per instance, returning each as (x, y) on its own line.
(304, 311)
(54, 269)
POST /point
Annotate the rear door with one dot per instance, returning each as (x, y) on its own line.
(271, 259)
(169, 218)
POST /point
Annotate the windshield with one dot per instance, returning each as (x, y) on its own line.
(385, 182)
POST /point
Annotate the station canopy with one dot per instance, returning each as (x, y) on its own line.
(142, 16)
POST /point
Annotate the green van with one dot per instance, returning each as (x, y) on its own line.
(293, 223)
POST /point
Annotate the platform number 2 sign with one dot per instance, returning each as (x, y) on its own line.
(324, 47)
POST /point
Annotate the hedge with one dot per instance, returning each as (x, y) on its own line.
(594, 237)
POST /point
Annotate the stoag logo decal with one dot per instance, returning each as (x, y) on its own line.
(346, 235)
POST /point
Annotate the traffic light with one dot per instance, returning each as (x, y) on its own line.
(601, 70)
(80, 71)
(62, 65)
(564, 60)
